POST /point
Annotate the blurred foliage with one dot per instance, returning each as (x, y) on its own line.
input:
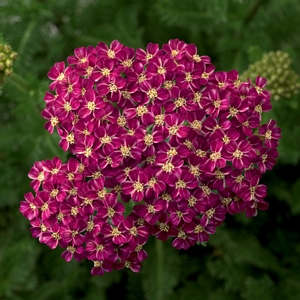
(245, 259)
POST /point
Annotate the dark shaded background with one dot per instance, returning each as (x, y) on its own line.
(247, 258)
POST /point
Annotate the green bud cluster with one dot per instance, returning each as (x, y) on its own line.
(283, 82)
(7, 57)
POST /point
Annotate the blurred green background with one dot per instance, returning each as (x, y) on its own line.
(256, 258)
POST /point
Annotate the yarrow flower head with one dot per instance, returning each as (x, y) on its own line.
(161, 145)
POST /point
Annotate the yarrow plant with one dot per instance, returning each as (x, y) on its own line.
(161, 145)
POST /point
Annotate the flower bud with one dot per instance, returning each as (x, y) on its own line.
(283, 81)
(7, 57)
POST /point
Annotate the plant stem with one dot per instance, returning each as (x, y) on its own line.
(25, 37)
(19, 82)
(160, 262)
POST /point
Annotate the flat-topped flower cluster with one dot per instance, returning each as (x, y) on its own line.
(161, 145)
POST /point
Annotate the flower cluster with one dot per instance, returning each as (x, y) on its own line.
(7, 57)
(161, 145)
(283, 82)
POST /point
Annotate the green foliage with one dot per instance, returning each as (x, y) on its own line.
(247, 258)
(18, 261)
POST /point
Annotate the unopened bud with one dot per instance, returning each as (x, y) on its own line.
(283, 81)
(7, 57)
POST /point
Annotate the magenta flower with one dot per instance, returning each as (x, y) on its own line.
(155, 135)
(71, 207)
(188, 78)
(91, 105)
(39, 228)
(50, 114)
(215, 101)
(215, 157)
(239, 154)
(191, 54)
(122, 174)
(129, 148)
(38, 175)
(251, 210)
(112, 88)
(92, 227)
(100, 267)
(83, 128)
(215, 213)
(125, 58)
(104, 51)
(155, 186)
(71, 170)
(152, 90)
(181, 184)
(65, 107)
(70, 233)
(130, 94)
(259, 105)
(71, 87)
(174, 123)
(111, 209)
(52, 237)
(138, 249)
(152, 50)
(236, 107)
(253, 190)
(217, 179)
(184, 240)
(47, 206)
(164, 229)
(137, 73)
(86, 150)
(206, 71)
(236, 181)
(58, 73)
(53, 168)
(160, 66)
(104, 70)
(135, 230)
(99, 248)
(180, 213)
(28, 208)
(150, 210)
(245, 123)
(183, 101)
(211, 125)
(200, 229)
(233, 80)
(118, 234)
(79, 253)
(54, 191)
(267, 159)
(132, 262)
(219, 79)
(271, 134)
(80, 58)
(135, 185)
(109, 137)
(260, 84)
(175, 48)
